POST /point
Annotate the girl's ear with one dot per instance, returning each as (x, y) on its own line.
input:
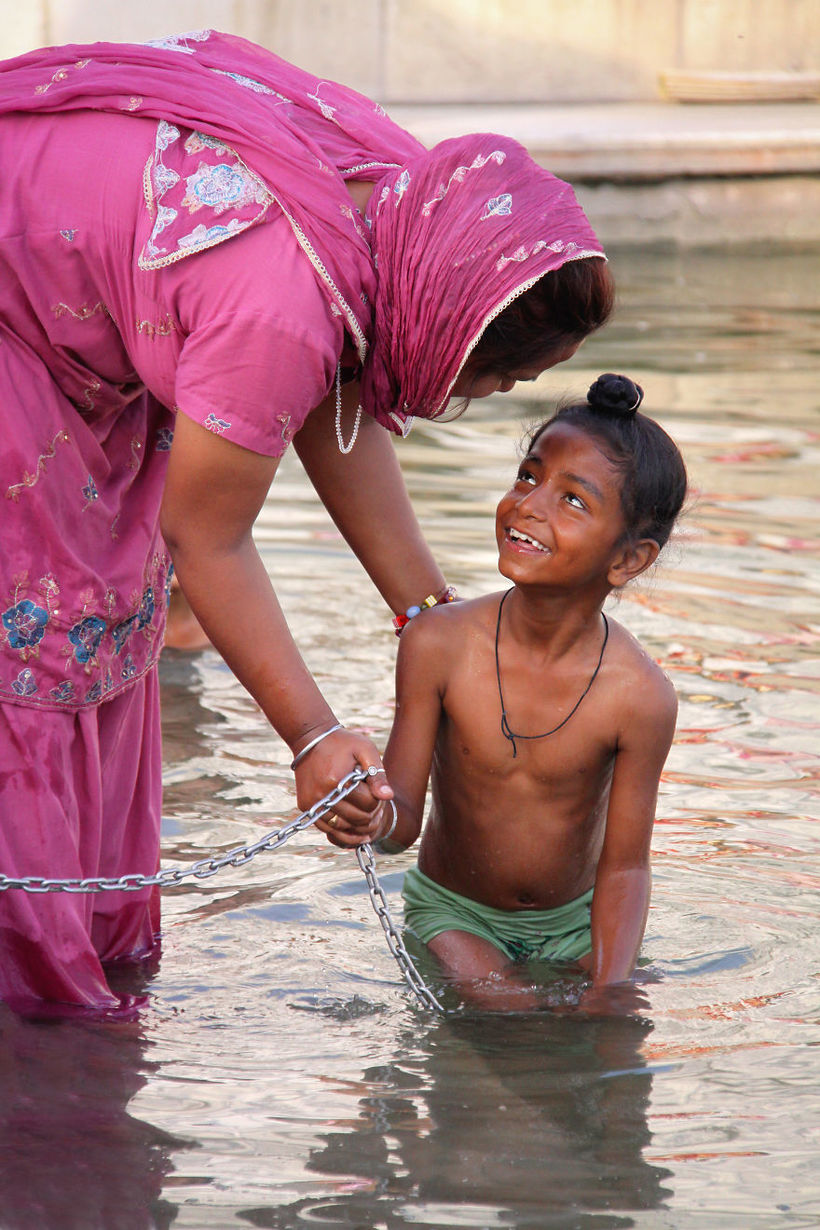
(635, 558)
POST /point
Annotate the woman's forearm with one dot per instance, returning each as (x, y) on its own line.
(365, 494)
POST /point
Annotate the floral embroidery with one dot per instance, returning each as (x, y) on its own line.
(327, 111)
(167, 134)
(89, 640)
(83, 312)
(122, 631)
(460, 174)
(25, 624)
(63, 691)
(163, 328)
(165, 438)
(219, 188)
(146, 609)
(523, 253)
(29, 480)
(250, 84)
(90, 492)
(85, 636)
(217, 426)
(134, 103)
(60, 75)
(401, 185)
(179, 42)
(287, 434)
(89, 396)
(68, 234)
(136, 449)
(205, 236)
(25, 684)
(497, 206)
(220, 183)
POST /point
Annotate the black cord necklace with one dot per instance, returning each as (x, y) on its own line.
(506, 730)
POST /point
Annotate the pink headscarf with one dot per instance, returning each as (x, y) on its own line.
(457, 232)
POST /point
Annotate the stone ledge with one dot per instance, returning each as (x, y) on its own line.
(639, 141)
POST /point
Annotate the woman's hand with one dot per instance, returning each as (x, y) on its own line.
(359, 817)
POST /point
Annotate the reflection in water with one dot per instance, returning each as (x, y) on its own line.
(516, 1121)
(72, 1156)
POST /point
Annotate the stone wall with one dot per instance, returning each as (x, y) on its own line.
(464, 51)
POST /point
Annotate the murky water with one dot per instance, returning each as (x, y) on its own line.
(283, 1076)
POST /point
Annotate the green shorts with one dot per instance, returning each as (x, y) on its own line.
(562, 934)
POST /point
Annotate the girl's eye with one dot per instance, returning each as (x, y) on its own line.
(526, 476)
(574, 500)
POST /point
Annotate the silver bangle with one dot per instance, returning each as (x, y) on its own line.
(389, 832)
(310, 746)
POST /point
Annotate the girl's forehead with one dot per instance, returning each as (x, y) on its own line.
(562, 436)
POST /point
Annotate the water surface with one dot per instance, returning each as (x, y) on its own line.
(282, 1075)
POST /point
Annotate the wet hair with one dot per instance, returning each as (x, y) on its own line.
(649, 463)
(562, 307)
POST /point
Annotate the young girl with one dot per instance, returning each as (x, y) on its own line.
(545, 723)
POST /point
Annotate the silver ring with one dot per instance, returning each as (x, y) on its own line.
(373, 769)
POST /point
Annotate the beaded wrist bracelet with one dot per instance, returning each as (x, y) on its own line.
(447, 595)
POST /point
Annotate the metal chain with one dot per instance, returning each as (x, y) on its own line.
(394, 941)
(237, 857)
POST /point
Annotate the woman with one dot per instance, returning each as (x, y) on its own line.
(206, 254)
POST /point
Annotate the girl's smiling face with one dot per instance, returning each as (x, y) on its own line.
(561, 525)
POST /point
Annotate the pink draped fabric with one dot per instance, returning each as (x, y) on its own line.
(458, 234)
(300, 134)
(78, 802)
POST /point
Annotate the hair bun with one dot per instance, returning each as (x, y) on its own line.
(615, 395)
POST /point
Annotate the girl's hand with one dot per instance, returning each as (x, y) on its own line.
(358, 817)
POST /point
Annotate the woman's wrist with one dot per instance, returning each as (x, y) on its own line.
(440, 598)
(301, 750)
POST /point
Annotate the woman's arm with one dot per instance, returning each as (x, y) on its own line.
(364, 493)
(623, 878)
(213, 492)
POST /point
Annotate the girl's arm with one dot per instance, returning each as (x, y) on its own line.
(409, 753)
(623, 879)
(364, 492)
(214, 490)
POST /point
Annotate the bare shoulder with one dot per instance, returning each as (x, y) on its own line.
(643, 687)
(449, 626)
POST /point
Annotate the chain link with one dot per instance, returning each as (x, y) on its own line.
(394, 941)
(237, 857)
(201, 870)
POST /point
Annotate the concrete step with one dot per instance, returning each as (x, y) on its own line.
(639, 141)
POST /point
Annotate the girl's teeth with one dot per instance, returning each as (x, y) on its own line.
(517, 536)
